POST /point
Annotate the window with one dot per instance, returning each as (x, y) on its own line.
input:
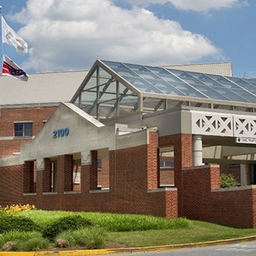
(99, 164)
(166, 164)
(23, 129)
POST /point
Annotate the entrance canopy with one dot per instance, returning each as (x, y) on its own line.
(114, 89)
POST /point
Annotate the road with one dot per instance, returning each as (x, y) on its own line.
(248, 249)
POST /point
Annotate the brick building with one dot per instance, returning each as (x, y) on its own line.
(138, 139)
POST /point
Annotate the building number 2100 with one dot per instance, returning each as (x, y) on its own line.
(60, 133)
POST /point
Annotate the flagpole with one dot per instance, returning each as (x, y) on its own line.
(1, 37)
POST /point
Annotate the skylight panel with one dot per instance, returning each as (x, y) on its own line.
(226, 91)
(154, 79)
(243, 94)
(176, 82)
(141, 71)
(166, 81)
(251, 81)
(245, 83)
(132, 77)
(196, 83)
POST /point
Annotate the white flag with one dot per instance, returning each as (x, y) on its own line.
(11, 38)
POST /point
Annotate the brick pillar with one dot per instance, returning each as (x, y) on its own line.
(28, 178)
(89, 174)
(39, 183)
(68, 173)
(215, 176)
(254, 207)
(113, 172)
(152, 161)
(64, 173)
(183, 157)
(94, 170)
(47, 177)
(60, 174)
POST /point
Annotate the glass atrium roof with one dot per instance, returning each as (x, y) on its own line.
(114, 88)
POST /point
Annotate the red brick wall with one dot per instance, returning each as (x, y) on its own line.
(183, 157)
(203, 200)
(93, 178)
(153, 172)
(68, 173)
(166, 176)
(10, 115)
(134, 177)
(47, 175)
(129, 181)
(254, 207)
(28, 178)
(64, 173)
(11, 185)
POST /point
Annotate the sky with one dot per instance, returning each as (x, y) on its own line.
(66, 35)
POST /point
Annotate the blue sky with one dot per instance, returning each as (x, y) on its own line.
(65, 36)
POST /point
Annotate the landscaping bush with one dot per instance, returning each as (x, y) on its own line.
(35, 244)
(227, 181)
(11, 246)
(22, 241)
(18, 223)
(89, 238)
(67, 235)
(66, 223)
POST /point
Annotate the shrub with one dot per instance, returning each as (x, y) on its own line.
(18, 241)
(65, 236)
(227, 181)
(10, 246)
(62, 243)
(18, 223)
(35, 244)
(66, 223)
(90, 238)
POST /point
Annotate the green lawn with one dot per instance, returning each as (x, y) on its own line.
(118, 230)
(141, 230)
(197, 232)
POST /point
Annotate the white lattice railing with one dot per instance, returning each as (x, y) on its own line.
(244, 126)
(223, 124)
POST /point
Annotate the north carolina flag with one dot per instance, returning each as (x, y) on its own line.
(12, 69)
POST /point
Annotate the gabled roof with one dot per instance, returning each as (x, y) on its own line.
(41, 89)
(113, 89)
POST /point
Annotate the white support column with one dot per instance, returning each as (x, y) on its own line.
(197, 150)
(245, 173)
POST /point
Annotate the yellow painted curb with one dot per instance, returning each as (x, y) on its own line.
(129, 250)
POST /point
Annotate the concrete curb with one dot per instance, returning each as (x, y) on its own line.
(131, 250)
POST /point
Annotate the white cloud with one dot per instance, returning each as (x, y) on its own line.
(68, 36)
(195, 5)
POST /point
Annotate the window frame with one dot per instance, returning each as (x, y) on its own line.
(23, 131)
